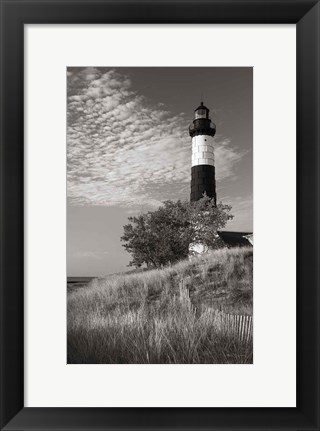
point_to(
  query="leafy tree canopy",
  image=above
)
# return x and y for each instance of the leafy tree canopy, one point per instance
(164, 236)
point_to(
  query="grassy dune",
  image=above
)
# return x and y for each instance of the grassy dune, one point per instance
(163, 316)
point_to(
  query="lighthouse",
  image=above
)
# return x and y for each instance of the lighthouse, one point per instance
(202, 131)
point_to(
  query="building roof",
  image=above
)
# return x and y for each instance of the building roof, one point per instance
(236, 239)
(202, 107)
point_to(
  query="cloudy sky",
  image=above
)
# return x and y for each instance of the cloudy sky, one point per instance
(128, 149)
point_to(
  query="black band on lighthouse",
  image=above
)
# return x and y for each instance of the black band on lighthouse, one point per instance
(203, 181)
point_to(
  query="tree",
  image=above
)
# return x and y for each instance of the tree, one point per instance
(207, 219)
(163, 236)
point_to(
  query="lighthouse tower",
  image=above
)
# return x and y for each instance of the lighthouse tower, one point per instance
(202, 131)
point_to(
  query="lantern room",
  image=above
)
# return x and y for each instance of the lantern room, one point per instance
(201, 112)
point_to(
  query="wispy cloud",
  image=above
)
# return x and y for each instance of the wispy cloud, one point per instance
(125, 150)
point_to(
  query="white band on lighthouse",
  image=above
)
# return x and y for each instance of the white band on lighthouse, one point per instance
(202, 150)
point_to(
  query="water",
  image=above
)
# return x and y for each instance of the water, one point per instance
(77, 282)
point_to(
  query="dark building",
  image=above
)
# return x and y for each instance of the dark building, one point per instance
(236, 239)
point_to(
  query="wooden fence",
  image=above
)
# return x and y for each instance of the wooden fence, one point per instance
(233, 324)
(236, 325)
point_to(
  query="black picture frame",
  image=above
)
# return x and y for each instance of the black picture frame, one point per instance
(14, 14)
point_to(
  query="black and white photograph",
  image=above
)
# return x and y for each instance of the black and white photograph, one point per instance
(159, 215)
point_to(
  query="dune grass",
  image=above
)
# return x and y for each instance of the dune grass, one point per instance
(160, 316)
